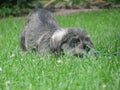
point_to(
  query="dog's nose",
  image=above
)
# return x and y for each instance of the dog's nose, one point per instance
(86, 47)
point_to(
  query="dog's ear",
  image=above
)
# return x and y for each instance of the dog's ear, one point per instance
(56, 40)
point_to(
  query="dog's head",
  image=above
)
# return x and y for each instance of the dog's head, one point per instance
(72, 40)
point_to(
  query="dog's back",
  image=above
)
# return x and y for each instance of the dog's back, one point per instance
(39, 22)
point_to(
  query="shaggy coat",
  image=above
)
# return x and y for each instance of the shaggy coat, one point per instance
(41, 33)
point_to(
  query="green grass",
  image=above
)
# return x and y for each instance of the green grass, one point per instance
(28, 72)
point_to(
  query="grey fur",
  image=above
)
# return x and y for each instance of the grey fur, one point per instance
(41, 33)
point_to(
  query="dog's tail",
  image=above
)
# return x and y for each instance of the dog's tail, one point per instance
(39, 6)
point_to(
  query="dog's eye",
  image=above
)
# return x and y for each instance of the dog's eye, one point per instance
(74, 42)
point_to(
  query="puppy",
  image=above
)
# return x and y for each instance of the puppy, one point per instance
(41, 33)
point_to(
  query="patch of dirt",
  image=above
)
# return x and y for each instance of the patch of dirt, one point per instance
(72, 11)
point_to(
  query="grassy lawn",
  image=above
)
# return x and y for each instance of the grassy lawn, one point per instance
(28, 72)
